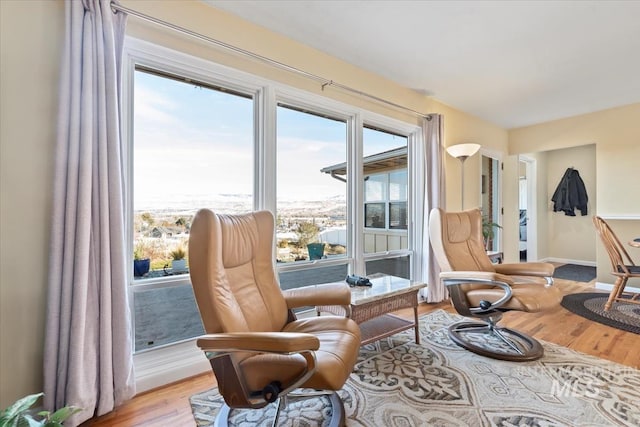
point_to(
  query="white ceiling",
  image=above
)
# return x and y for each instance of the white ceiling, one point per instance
(511, 63)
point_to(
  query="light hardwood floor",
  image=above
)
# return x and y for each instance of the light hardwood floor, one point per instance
(169, 405)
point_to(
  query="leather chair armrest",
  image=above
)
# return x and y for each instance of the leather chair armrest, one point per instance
(536, 269)
(318, 295)
(476, 276)
(272, 342)
(453, 280)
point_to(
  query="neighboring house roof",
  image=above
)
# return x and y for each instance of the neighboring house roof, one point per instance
(391, 159)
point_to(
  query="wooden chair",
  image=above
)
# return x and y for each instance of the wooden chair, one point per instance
(622, 266)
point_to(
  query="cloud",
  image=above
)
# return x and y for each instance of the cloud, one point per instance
(151, 107)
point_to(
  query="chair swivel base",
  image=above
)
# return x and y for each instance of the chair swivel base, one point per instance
(486, 339)
(337, 410)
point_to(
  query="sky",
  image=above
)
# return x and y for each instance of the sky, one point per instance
(195, 143)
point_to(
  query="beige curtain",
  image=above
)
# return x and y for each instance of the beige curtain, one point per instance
(432, 156)
(88, 352)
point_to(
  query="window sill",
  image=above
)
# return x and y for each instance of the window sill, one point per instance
(158, 367)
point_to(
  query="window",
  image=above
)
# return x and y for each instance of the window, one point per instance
(203, 136)
(385, 171)
(385, 198)
(375, 215)
(192, 148)
(385, 190)
(311, 205)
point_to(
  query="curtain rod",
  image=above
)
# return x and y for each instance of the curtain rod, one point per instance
(116, 7)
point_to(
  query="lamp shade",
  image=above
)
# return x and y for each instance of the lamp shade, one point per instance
(462, 151)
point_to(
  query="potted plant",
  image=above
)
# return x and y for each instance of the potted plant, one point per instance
(178, 263)
(307, 236)
(488, 231)
(316, 250)
(141, 263)
(19, 414)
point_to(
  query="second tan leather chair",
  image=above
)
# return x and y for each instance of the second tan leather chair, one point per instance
(258, 350)
(483, 290)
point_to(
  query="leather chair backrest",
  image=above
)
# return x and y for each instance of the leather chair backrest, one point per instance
(457, 241)
(232, 272)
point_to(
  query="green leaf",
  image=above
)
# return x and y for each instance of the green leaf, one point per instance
(32, 422)
(63, 413)
(17, 415)
(19, 407)
(6, 421)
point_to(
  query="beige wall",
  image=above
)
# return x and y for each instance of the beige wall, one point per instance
(461, 128)
(31, 37)
(571, 238)
(542, 178)
(615, 134)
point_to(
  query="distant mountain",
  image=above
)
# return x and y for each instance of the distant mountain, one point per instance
(185, 204)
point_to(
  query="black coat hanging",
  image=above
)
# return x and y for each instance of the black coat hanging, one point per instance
(570, 194)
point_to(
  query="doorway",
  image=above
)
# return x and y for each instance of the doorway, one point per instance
(490, 204)
(527, 243)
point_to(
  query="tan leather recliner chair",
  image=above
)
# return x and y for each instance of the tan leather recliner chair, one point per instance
(484, 290)
(258, 350)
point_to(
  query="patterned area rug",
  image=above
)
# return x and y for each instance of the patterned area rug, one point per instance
(624, 316)
(399, 383)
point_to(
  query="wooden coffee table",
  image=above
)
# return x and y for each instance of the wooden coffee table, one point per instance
(370, 307)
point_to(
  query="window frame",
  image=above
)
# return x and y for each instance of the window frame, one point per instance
(139, 53)
(289, 97)
(415, 215)
(267, 94)
(386, 201)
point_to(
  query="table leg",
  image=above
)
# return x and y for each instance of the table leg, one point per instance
(416, 326)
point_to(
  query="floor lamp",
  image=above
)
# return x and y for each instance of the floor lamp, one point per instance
(462, 152)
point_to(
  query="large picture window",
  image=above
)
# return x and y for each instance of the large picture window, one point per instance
(192, 149)
(233, 144)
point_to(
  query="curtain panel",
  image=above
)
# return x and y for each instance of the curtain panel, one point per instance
(88, 359)
(434, 197)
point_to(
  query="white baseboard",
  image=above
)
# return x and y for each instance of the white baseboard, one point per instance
(570, 261)
(158, 367)
(609, 286)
